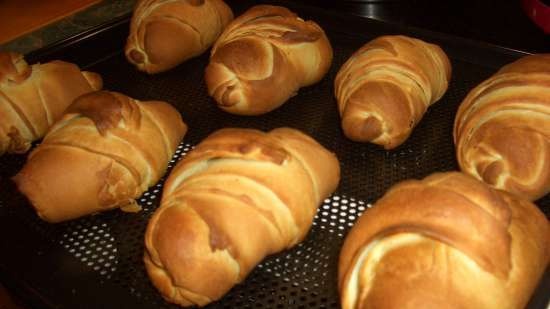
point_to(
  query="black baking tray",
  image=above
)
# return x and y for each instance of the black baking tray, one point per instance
(96, 261)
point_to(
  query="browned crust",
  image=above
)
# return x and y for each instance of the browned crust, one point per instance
(105, 152)
(464, 222)
(263, 58)
(385, 87)
(256, 194)
(163, 34)
(33, 97)
(501, 129)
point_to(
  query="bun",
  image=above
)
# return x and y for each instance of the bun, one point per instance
(104, 153)
(165, 33)
(447, 241)
(263, 57)
(239, 196)
(502, 129)
(384, 88)
(33, 97)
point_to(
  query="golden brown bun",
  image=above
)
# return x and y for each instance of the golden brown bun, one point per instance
(165, 33)
(263, 57)
(105, 152)
(385, 87)
(447, 241)
(239, 196)
(502, 128)
(33, 97)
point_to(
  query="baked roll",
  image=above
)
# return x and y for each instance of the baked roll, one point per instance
(33, 97)
(447, 241)
(239, 196)
(165, 33)
(502, 128)
(104, 153)
(263, 57)
(386, 86)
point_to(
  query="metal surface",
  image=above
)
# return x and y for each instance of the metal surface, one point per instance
(96, 262)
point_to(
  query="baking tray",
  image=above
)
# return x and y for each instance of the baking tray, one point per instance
(96, 261)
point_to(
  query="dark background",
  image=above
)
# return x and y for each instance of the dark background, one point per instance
(500, 22)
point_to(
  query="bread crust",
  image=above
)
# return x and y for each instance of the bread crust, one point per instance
(104, 153)
(263, 58)
(239, 196)
(447, 241)
(502, 128)
(166, 33)
(385, 87)
(33, 97)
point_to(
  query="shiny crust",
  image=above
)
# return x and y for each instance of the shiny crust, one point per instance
(502, 128)
(33, 97)
(386, 86)
(165, 33)
(263, 58)
(239, 196)
(105, 152)
(447, 241)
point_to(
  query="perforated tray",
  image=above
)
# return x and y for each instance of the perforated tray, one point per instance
(96, 262)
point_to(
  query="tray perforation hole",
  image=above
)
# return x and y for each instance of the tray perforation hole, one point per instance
(339, 213)
(91, 242)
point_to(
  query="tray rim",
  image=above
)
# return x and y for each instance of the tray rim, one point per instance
(448, 39)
